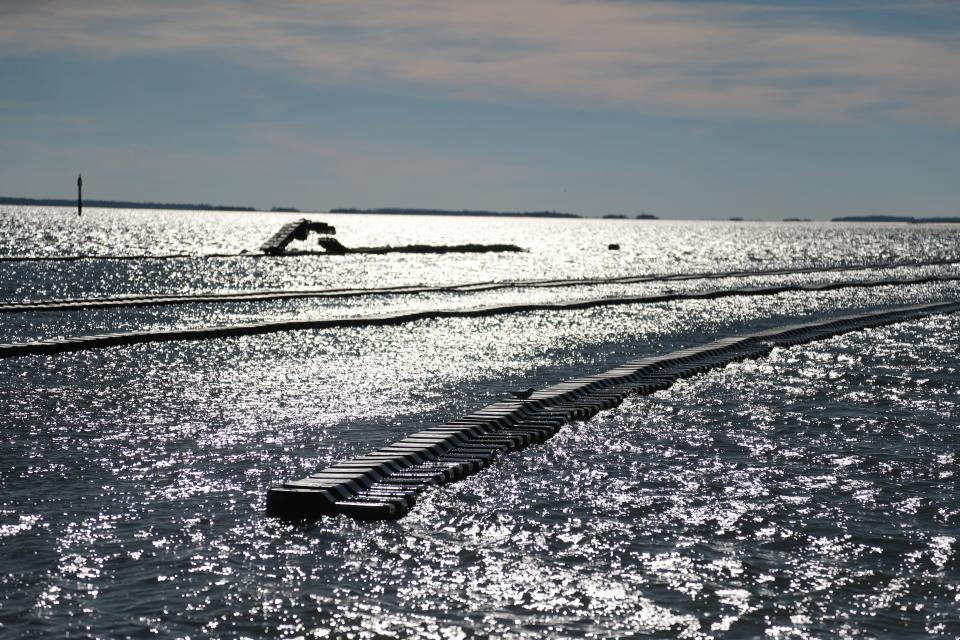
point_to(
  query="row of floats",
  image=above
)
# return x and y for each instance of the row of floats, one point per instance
(383, 484)
(149, 300)
(126, 338)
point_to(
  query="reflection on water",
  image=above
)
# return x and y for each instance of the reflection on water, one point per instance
(555, 249)
(808, 494)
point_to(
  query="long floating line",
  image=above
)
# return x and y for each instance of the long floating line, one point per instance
(100, 341)
(383, 484)
(147, 256)
(78, 304)
(341, 250)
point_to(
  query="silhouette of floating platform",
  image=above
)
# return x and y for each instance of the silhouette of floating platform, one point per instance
(299, 230)
(100, 341)
(296, 230)
(384, 483)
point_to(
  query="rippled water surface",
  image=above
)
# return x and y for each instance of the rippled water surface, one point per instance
(809, 494)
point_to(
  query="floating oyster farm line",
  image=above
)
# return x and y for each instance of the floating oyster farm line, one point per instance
(384, 483)
(147, 300)
(105, 340)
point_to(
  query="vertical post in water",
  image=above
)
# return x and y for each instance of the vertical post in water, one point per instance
(79, 194)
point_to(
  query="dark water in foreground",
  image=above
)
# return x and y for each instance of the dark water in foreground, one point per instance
(809, 494)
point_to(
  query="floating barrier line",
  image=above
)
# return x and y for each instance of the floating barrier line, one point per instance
(154, 256)
(384, 484)
(101, 341)
(78, 304)
(333, 249)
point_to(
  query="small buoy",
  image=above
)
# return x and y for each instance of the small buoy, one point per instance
(613, 247)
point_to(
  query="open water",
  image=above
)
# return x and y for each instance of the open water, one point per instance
(810, 494)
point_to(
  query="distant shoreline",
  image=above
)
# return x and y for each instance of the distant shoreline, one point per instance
(907, 219)
(179, 206)
(123, 204)
(126, 204)
(399, 211)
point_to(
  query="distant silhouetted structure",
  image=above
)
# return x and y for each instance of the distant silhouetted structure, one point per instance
(79, 194)
(296, 230)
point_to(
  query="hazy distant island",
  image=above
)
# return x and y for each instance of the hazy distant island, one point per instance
(462, 212)
(482, 212)
(118, 204)
(909, 219)
(412, 211)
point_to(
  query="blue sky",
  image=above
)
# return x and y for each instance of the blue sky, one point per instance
(683, 109)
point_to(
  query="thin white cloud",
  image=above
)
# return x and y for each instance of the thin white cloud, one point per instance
(706, 59)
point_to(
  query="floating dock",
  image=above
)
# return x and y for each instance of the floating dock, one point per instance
(296, 230)
(384, 483)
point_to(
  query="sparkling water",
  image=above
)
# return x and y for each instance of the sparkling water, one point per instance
(812, 493)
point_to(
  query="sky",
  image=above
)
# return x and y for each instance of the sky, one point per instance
(683, 109)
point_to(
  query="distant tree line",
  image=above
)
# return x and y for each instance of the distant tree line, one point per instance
(910, 219)
(480, 212)
(461, 212)
(118, 204)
